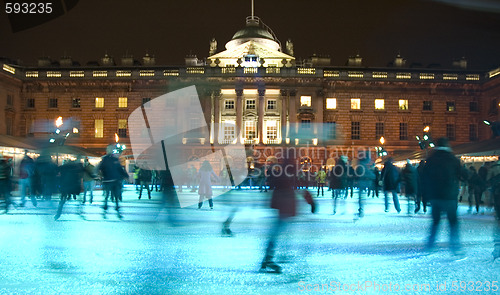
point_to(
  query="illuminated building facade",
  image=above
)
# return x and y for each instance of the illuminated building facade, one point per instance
(256, 92)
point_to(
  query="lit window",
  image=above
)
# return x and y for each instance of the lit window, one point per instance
(229, 104)
(331, 103)
(122, 102)
(32, 74)
(450, 106)
(379, 104)
(306, 71)
(403, 104)
(472, 77)
(123, 73)
(171, 73)
(271, 129)
(271, 104)
(122, 128)
(99, 128)
(403, 75)
(99, 73)
(305, 101)
(9, 69)
(146, 73)
(99, 102)
(355, 103)
(229, 130)
(53, 74)
(250, 104)
(426, 76)
(77, 74)
(250, 130)
(379, 74)
(328, 73)
(355, 74)
(450, 77)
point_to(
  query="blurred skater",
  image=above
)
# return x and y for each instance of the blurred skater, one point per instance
(283, 199)
(112, 175)
(205, 187)
(442, 173)
(71, 174)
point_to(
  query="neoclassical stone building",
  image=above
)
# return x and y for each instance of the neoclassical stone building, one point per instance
(257, 93)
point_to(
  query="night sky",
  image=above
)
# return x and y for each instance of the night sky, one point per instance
(424, 32)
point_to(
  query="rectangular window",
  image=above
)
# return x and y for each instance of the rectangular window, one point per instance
(10, 100)
(52, 102)
(427, 106)
(99, 128)
(250, 104)
(330, 130)
(30, 103)
(473, 132)
(450, 106)
(75, 103)
(229, 104)
(450, 131)
(331, 103)
(271, 130)
(122, 128)
(9, 122)
(250, 130)
(403, 104)
(403, 131)
(122, 102)
(271, 104)
(379, 130)
(473, 106)
(99, 102)
(305, 124)
(355, 130)
(229, 130)
(355, 103)
(305, 101)
(379, 104)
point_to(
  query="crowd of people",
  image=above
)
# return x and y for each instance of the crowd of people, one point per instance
(440, 181)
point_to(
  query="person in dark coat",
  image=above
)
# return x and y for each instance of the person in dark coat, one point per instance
(71, 175)
(442, 174)
(391, 179)
(476, 188)
(26, 172)
(5, 182)
(365, 178)
(338, 181)
(47, 169)
(145, 181)
(410, 180)
(494, 184)
(283, 199)
(420, 189)
(113, 174)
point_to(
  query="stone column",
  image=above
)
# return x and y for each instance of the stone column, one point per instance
(216, 97)
(260, 113)
(239, 112)
(284, 113)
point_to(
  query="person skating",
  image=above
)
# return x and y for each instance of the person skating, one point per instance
(89, 177)
(321, 181)
(391, 179)
(283, 199)
(442, 174)
(5, 182)
(113, 174)
(420, 189)
(410, 180)
(338, 181)
(71, 174)
(205, 187)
